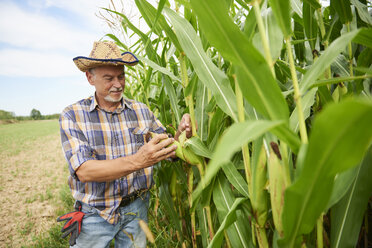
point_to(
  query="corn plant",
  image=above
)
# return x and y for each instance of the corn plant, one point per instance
(279, 94)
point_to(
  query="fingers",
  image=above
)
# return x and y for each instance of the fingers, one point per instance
(160, 147)
(158, 138)
(185, 125)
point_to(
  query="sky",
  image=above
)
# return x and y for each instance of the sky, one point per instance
(38, 40)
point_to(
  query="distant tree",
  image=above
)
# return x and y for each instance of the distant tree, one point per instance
(5, 115)
(35, 114)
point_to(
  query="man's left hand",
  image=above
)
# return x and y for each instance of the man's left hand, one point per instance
(185, 125)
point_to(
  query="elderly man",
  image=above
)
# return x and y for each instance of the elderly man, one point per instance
(110, 164)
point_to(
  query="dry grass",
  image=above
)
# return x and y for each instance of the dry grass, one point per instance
(33, 170)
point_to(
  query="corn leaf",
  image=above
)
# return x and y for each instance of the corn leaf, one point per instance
(334, 146)
(227, 221)
(232, 140)
(347, 214)
(314, 3)
(307, 102)
(338, 80)
(296, 6)
(224, 200)
(200, 112)
(343, 9)
(250, 25)
(310, 24)
(342, 183)
(236, 179)
(364, 37)
(256, 80)
(207, 72)
(166, 199)
(198, 147)
(282, 12)
(159, 68)
(150, 52)
(362, 11)
(169, 89)
(325, 60)
(155, 19)
(274, 35)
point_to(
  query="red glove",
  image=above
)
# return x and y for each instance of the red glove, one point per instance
(73, 224)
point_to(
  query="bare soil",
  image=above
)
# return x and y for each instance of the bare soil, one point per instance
(30, 183)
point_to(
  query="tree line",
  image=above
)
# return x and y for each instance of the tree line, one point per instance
(34, 115)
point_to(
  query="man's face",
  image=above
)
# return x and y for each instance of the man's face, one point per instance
(109, 82)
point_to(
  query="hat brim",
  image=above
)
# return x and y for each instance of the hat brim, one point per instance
(86, 63)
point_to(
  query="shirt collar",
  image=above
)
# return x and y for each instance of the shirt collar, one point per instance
(123, 103)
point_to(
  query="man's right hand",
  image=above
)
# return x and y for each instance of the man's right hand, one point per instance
(155, 150)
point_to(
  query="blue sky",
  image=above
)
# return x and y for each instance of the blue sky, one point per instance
(38, 39)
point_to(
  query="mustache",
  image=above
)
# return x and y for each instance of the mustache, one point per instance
(114, 89)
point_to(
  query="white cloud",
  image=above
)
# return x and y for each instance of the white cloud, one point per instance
(32, 31)
(39, 45)
(36, 64)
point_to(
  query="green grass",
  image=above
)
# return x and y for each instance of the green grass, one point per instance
(15, 137)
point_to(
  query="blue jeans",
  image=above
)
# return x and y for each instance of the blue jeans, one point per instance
(97, 232)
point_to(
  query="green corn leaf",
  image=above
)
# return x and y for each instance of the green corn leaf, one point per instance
(339, 80)
(232, 140)
(364, 61)
(116, 39)
(150, 52)
(255, 78)
(288, 136)
(307, 102)
(299, 48)
(167, 201)
(334, 146)
(250, 25)
(207, 72)
(224, 199)
(282, 12)
(159, 68)
(297, 7)
(274, 35)
(325, 60)
(347, 214)
(143, 7)
(362, 11)
(343, 9)
(236, 179)
(227, 221)
(364, 37)
(203, 225)
(201, 114)
(198, 147)
(169, 89)
(341, 185)
(314, 3)
(153, 16)
(159, 10)
(310, 24)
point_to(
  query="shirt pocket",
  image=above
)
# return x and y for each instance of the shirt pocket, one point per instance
(139, 136)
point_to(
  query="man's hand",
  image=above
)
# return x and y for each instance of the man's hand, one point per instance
(185, 125)
(155, 150)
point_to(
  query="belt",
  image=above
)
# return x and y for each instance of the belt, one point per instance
(131, 197)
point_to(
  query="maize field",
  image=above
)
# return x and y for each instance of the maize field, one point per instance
(279, 94)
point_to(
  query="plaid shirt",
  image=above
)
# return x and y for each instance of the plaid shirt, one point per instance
(89, 132)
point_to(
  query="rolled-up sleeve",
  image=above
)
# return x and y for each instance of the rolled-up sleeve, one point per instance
(74, 143)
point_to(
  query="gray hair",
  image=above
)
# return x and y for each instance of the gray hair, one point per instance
(93, 72)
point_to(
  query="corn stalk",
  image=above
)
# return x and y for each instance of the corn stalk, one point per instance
(219, 204)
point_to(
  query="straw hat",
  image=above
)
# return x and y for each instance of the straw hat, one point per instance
(105, 53)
